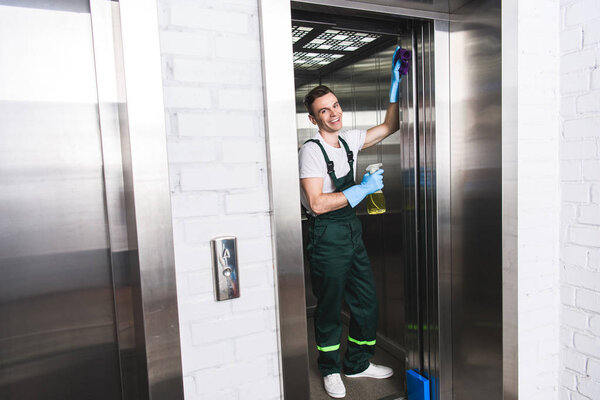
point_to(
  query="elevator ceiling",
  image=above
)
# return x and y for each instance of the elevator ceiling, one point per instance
(324, 43)
(315, 47)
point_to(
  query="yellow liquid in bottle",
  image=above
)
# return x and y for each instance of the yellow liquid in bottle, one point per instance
(376, 203)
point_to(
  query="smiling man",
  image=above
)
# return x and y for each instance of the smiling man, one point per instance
(339, 266)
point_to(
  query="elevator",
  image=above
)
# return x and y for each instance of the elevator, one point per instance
(437, 253)
(84, 312)
(358, 71)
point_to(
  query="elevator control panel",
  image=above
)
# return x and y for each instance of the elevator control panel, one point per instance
(225, 265)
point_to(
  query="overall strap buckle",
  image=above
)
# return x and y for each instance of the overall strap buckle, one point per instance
(350, 157)
(349, 152)
(329, 167)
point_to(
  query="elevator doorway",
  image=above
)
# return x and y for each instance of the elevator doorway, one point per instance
(351, 53)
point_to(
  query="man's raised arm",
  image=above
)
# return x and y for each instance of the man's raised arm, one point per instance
(391, 124)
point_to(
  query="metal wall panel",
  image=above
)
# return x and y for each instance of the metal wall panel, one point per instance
(510, 295)
(148, 202)
(476, 168)
(57, 335)
(443, 184)
(278, 81)
(428, 9)
(87, 295)
(420, 236)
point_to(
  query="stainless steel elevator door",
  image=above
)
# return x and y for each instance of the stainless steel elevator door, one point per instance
(57, 329)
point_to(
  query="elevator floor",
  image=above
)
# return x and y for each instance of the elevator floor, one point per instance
(359, 388)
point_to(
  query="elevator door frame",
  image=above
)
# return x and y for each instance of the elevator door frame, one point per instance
(280, 112)
(136, 98)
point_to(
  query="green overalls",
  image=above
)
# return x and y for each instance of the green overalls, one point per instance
(340, 271)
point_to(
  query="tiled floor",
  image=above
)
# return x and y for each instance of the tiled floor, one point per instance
(359, 388)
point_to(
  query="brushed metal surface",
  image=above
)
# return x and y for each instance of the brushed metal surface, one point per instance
(148, 203)
(425, 5)
(409, 201)
(444, 238)
(278, 89)
(510, 340)
(445, 6)
(420, 239)
(57, 335)
(427, 216)
(124, 268)
(428, 9)
(225, 267)
(476, 201)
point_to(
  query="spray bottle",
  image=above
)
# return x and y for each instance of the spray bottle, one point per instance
(375, 201)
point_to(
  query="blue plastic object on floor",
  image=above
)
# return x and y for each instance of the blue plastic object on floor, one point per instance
(417, 386)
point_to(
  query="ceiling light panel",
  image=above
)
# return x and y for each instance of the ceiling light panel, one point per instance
(338, 40)
(298, 32)
(313, 61)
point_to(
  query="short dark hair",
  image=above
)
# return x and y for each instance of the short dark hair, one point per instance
(314, 94)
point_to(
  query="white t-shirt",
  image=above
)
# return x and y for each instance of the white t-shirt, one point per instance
(312, 163)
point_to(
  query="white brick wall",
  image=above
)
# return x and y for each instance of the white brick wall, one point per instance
(214, 109)
(538, 207)
(580, 217)
(213, 100)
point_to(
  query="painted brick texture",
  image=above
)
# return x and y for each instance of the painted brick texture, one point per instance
(217, 160)
(538, 199)
(213, 100)
(580, 203)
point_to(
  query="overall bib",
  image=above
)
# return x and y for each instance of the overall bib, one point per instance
(340, 271)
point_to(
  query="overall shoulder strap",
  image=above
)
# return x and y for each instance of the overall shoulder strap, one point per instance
(349, 153)
(329, 163)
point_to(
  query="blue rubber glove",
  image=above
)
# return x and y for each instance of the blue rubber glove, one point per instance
(396, 77)
(370, 184)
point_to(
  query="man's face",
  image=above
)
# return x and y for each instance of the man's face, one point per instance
(327, 113)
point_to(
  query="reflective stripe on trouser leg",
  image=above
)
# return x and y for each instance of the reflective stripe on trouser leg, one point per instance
(327, 349)
(361, 298)
(362, 342)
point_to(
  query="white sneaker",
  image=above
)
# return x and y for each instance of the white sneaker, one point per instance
(374, 371)
(334, 386)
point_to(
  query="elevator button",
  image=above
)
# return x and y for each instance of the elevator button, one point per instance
(225, 265)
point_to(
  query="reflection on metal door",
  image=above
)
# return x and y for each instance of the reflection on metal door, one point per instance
(57, 335)
(419, 205)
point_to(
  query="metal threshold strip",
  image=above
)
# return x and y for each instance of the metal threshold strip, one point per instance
(394, 397)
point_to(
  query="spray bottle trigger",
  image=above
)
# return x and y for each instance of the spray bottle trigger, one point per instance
(373, 167)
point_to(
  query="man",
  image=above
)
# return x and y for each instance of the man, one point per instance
(339, 265)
